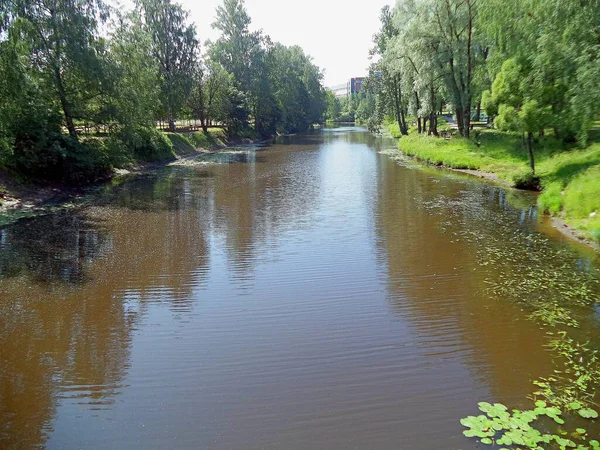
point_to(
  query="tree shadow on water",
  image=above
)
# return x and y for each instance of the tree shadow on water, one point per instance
(55, 247)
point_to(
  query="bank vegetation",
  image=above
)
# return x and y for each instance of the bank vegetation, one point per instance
(86, 88)
(515, 84)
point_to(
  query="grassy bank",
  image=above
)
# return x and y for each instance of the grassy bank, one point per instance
(32, 181)
(186, 143)
(569, 177)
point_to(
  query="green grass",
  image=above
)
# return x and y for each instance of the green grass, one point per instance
(186, 143)
(569, 177)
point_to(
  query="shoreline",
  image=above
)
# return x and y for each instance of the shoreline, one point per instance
(29, 197)
(557, 223)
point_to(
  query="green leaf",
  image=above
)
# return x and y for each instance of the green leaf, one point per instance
(588, 413)
(487, 441)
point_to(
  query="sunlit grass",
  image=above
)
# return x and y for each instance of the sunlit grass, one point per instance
(570, 178)
(185, 143)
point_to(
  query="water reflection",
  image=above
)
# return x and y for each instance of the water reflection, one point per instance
(53, 247)
(69, 343)
(434, 274)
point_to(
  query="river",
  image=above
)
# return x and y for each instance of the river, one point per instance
(313, 293)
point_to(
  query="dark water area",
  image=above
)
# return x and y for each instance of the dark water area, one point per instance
(314, 293)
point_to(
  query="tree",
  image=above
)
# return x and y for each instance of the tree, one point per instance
(334, 107)
(208, 96)
(236, 46)
(558, 49)
(513, 95)
(389, 94)
(296, 83)
(136, 94)
(65, 48)
(174, 47)
(454, 51)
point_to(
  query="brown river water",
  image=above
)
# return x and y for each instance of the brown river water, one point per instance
(311, 294)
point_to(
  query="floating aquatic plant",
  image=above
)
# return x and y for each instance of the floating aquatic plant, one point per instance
(522, 429)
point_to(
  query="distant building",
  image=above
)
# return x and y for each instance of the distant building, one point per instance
(341, 90)
(354, 86)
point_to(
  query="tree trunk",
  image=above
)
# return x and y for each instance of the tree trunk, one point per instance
(64, 103)
(404, 125)
(400, 117)
(424, 124)
(419, 128)
(460, 121)
(467, 88)
(433, 124)
(530, 149)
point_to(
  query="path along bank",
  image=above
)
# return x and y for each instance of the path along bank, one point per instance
(569, 178)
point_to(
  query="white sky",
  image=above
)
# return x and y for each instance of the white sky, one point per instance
(336, 33)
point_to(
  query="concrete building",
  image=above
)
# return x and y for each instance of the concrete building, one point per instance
(354, 86)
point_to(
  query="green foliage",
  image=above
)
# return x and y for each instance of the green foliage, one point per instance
(300, 99)
(137, 99)
(570, 390)
(186, 143)
(334, 107)
(551, 199)
(574, 386)
(66, 69)
(173, 46)
(570, 188)
(507, 118)
(488, 104)
(144, 144)
(526, 180)
(523, 429)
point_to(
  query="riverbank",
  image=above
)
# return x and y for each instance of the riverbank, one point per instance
(18, 193)
(569, 179)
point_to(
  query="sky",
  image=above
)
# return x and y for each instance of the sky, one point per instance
(336, 33)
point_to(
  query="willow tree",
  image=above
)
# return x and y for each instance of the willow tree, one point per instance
(389, 95)
(415, 53)
(558, 49)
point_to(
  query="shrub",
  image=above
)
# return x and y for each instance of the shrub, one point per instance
(526, 180)
(43, 155)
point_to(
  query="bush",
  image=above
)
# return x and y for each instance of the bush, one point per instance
(43, 156)
(526, 180)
